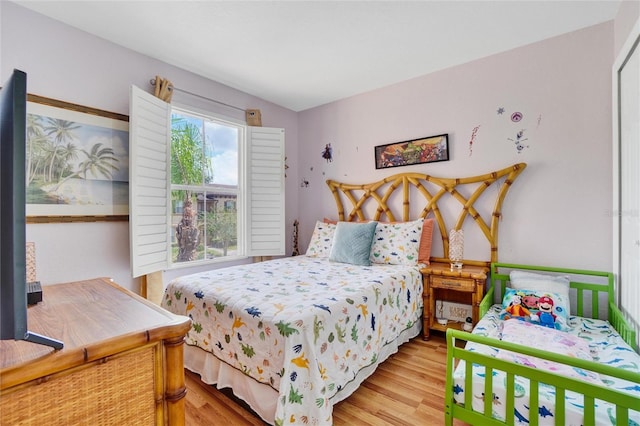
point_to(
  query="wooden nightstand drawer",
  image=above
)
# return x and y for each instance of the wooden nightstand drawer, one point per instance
(458, 284)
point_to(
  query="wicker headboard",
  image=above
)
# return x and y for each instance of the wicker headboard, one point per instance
(403, 188)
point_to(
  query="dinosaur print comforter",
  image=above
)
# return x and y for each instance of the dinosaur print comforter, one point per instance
(601, 340)
(304, 326)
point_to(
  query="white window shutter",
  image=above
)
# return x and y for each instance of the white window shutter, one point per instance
(149, 139)
(265, 192)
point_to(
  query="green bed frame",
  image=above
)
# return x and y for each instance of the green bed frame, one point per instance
(588, 285)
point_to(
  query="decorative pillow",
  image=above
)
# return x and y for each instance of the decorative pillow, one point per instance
(531, 335)
(352, 243)
(321, 240)
(546, 309)
(424, 252)
(397, 243)
(540, 282)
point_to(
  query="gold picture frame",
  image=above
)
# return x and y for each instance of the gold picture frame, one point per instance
(77, 163)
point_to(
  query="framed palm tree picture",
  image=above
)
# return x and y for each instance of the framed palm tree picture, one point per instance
(77, 162)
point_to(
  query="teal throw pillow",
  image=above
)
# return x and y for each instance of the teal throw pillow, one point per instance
(352, 243)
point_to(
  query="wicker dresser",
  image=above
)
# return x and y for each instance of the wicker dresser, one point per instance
(122, 361)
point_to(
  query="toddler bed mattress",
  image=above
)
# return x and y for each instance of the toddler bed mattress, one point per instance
(589, 339)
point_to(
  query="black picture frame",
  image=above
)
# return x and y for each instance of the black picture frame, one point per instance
(430, 149)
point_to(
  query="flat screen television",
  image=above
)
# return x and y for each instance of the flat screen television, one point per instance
(13, 264)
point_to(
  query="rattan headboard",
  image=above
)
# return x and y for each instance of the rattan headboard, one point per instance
(429, 191)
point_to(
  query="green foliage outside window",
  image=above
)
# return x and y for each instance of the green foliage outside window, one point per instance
(207, 229)
(187, 168)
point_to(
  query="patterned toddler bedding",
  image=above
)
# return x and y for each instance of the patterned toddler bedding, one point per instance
(597, 337)
(304, 326)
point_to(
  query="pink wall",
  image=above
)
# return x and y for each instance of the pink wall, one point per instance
(557, 212)
(70, 65)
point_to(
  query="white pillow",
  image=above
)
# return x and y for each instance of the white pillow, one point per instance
(522, 280)
(397, 243)
(321, 240)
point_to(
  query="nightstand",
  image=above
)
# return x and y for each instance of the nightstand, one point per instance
(464, 285)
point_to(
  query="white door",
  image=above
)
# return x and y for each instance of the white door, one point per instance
(627, 214)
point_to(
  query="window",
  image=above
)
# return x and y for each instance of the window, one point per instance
(201, 188)
(204, 186)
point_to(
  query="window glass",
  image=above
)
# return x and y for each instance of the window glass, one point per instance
(188, 165)
(204, 187)
(222, 153)
(185, 235)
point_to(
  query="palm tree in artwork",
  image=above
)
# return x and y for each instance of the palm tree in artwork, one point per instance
(36, 145)
(61, 131)
(100, 161)
(66, 153)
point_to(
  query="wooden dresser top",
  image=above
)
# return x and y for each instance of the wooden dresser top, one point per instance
(94, 318)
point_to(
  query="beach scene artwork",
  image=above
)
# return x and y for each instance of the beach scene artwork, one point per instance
(77, 164)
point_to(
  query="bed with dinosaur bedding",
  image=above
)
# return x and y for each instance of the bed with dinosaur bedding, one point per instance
(294, 336)
(555, 351)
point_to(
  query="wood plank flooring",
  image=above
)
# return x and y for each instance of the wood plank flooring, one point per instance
(407, 389)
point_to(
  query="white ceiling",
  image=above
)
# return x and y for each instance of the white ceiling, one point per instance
(301, 54)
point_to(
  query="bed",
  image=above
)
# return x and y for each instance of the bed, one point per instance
(294, 336)
(303, 321)
(585, 371)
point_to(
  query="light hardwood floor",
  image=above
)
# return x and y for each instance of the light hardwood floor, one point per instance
(407, 389)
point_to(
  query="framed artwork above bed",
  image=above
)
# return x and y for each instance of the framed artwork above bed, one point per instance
(415, 151)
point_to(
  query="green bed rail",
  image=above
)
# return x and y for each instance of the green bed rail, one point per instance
(587, 287)
(592, 392)
(621, 325)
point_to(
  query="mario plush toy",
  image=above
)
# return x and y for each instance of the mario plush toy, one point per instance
(545, 312)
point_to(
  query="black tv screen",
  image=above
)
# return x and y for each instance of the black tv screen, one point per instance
(13, 274)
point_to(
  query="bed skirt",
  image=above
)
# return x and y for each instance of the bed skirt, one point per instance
(263, 398)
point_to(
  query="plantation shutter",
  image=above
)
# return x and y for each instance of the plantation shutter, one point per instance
(149, 186)
(149, 139)
(265, 192)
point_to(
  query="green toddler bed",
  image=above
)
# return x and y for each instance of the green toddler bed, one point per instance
(583, 371)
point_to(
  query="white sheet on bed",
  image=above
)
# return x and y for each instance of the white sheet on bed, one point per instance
(304, 326)
(606, 346)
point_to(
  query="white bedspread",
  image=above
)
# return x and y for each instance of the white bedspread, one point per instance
(302, 325)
